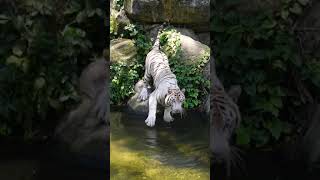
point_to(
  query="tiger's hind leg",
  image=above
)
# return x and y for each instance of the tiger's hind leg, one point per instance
(144, 94)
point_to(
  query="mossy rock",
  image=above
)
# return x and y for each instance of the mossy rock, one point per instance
(122, 50)
(188, 12)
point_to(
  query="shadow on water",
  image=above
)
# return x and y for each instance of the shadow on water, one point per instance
(270, 164)
(39, 161)
(178, 150)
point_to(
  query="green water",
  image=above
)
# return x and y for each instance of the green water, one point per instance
(166, 151)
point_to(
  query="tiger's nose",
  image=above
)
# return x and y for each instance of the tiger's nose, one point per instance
(175, 114)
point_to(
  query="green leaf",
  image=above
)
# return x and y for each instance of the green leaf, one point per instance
(243, 137)
(54, 103)
(39, 83)
(64, 98)
(14, 60)
(81, 16)
(285, 14)
(16, 50)
(303, 2)
(275, 128)
(4, 19)
(296, 9)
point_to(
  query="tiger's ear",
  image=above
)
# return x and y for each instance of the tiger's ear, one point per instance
(169, 91)
(183, 90)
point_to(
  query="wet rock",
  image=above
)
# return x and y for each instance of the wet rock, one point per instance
(187, 12)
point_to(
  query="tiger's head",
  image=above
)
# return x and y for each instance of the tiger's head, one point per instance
(175, 99)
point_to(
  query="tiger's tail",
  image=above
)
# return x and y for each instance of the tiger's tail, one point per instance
(156, 44)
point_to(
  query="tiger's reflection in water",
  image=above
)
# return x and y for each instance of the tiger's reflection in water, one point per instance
(225, 118)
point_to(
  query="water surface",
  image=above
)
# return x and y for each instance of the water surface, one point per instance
(167, 151)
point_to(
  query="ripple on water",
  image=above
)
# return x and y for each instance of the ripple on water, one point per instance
(178, 151)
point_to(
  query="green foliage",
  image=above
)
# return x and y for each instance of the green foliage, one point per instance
(123, 79)
(125, 76)
(260, 53)
(118, 4)
(113, 25)
(45, 45)
(190, 76)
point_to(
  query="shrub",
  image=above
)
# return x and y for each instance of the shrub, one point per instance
(44, 47)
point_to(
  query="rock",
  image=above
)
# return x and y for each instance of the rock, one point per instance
(119, 21)
(152, 31)
(188, 32)
(138, 107)
(192, 50)
(122, 19)
(122, 50)
(186, 12)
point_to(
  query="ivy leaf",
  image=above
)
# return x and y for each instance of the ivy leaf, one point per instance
(285, 14)
(303, 2)
(16, 50)
(243, 137)
(296, 9)
(4, 19)
(275, 128)
(54, 103)
(81, 16)
(39, 83)
(269, 24)
(14, 60)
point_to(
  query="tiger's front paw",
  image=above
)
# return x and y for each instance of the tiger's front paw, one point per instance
(143, 94)
(150, 121)
(167, 117)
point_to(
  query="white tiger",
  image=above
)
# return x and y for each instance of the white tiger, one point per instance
(167, 92)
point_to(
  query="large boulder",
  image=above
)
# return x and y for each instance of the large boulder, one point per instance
(192, 50)
(152, 31)
(122, 50)
(186, 12)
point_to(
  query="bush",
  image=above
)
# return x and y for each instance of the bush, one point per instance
(45, 45)
(124, 76)
(189, 76)
(260, 53)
